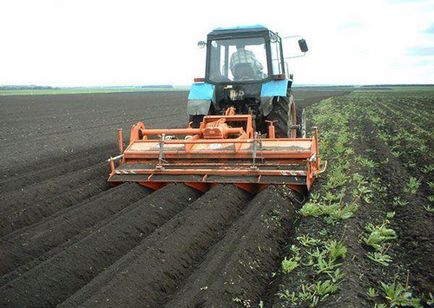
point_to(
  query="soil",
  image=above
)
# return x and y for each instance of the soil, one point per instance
(157, 265)
(413, 250)
(52, 281)
(18, 249)
(30, 204)
(237, 269)
(413, 224)
(67, 237)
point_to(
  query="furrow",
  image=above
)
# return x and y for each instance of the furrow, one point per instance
(155, 268)
(22, 247)
(238, 268)
(57, 278)
(35, 203)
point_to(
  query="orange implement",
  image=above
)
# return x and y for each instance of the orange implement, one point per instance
(224, 149)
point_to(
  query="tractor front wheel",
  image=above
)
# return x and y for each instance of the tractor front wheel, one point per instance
(285, 115)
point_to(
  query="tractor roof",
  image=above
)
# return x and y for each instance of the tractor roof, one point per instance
(239, 30)
(251, 27)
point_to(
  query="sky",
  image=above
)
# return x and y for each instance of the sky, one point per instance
(131, 42)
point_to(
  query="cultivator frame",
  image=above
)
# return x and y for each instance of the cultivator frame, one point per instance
(224, 149)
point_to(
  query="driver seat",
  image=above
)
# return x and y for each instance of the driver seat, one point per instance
(244, 71)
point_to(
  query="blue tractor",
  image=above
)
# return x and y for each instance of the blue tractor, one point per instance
(246, 70)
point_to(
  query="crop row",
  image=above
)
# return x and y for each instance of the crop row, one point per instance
(356, 224)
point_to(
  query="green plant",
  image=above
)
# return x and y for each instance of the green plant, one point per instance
(317, 253)
(311, 209)
(380, 257)
(422, 148)
(243, 302)
(336, 178)
(429, 208)
(412, 186)
(286, 296)
(295, 250)
(397, 201)
(372, 292)
(397, 154)
(288, 265)
(313, 293)
(337, 275)
(365, 193)
(331, 198)
(332, 212)
(305, 295)
(365, 163)
(390, 215)
(336, 250)
(410, 164)
(430, 301)
(339, 212)
(399, 295)
(314, 197)
(378, 235)
(325, 265)
(323, 288)
(359, 179)
(307, 241)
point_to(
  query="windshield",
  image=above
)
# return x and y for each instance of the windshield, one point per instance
(241, 59)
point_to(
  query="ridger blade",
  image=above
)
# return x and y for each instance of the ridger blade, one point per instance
(217, 153)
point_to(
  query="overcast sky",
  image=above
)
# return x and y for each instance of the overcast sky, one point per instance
(85, 42)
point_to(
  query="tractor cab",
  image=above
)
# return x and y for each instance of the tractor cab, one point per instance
(243, 55)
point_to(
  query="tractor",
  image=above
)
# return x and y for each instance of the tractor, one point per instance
(246, 69)
(242, 127)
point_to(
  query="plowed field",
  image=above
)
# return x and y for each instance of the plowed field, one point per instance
(67, 238)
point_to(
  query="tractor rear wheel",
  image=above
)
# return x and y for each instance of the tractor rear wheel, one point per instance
(285, 115)
(195, 120)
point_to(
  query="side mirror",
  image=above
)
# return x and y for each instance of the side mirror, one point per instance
(303, 45)
(201, 44)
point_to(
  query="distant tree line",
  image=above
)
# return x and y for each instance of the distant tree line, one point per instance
(396, 85)
(27, 87)
(164, 86)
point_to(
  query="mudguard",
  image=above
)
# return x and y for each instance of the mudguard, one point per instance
(199, 98)
(269, 90)
(198, 107)
(274, 88)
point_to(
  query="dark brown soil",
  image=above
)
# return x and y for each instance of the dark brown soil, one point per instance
(413, 224)
(65, 233)
(30, 243)
(54, 280)
(31, 204)
(46, 170)
(237, 269)
(153, 270)
(47, 128)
